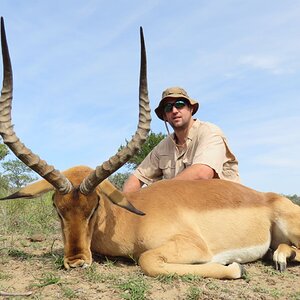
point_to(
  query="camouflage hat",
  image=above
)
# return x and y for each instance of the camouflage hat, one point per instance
(174, 92)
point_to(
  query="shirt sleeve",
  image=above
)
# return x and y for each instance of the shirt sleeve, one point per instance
(148, 171)
(212, 151)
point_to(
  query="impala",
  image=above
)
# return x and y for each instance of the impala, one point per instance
(205, 227)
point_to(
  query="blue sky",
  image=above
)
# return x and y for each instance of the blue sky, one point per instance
(76, 68)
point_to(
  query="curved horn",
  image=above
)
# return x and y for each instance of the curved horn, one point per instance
(119, 159)
(53, 176)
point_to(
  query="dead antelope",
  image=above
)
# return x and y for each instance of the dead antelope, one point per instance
(205, 228)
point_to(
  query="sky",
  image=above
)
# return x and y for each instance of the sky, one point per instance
(76, 72)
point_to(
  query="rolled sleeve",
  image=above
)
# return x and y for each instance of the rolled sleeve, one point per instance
(212, 154)
(148, 171)
(211, 149)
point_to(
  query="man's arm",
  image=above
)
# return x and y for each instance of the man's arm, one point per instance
(195, 172)
(132, 184)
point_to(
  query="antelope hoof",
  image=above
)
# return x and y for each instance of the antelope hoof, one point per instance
(280, 266)
(243, 271)
(76, 264)
(279, 259)
(238, 271)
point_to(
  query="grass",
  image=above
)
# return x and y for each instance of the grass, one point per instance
(46, 279)
(275, 293)
(5, 276)
(133, 288)
(68, 293)
(167, 279)
(213, 285)
(28, 216)
(194, 293)
(295, 296)
(191, 278)
(92, 275)
(109, 263)
(19, 254)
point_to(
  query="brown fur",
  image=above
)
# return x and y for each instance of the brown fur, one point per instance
(201, 227)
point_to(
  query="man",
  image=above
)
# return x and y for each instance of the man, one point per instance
(196, 149)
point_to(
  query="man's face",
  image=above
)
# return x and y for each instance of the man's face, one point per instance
(177, 112)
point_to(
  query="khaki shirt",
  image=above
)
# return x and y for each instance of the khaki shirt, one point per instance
(206, 144)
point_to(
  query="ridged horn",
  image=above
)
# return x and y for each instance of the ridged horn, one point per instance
(48, 172)
(118, 160)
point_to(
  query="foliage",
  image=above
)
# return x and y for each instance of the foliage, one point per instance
(17, 173)
(152, 140)
(295, 198)
(3, 151)
(194, 293)
(118, 179)
(134, 288)
(4, 184)
(47, 279)
(27, 216)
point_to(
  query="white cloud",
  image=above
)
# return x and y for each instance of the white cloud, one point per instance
(265, 62)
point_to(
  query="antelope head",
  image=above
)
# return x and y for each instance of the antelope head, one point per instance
(77, 191)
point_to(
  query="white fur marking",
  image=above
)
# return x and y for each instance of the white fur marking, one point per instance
(242, 255)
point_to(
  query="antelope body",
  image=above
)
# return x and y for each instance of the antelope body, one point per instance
(205, 227)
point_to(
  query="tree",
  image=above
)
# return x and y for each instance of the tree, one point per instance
(17, 174)
(118, 179)
(295, 198)
(152, 140)
(3, 151)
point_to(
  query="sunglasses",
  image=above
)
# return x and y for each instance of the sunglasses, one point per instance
(178, 104)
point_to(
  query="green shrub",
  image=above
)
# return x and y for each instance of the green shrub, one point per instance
(28, 216)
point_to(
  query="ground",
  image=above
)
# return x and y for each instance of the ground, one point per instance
(34, 264)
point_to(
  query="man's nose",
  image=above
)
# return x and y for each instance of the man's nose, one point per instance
(174, 109)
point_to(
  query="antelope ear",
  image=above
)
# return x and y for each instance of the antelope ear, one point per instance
(31, 191)
(116, 197)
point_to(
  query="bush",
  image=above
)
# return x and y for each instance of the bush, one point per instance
(295, 198)
(118, 179)
(28, 216)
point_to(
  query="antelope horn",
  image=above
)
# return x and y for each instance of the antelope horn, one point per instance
(53, 176)
(119, 159)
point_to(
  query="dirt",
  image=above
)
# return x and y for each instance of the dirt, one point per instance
(33, 264)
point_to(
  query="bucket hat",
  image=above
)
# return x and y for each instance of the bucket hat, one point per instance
(174, 92)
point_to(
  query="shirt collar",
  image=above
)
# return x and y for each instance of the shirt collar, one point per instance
(193, 130)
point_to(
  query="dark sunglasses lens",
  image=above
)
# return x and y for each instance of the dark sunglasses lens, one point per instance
(168, 107)
(178, 104)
